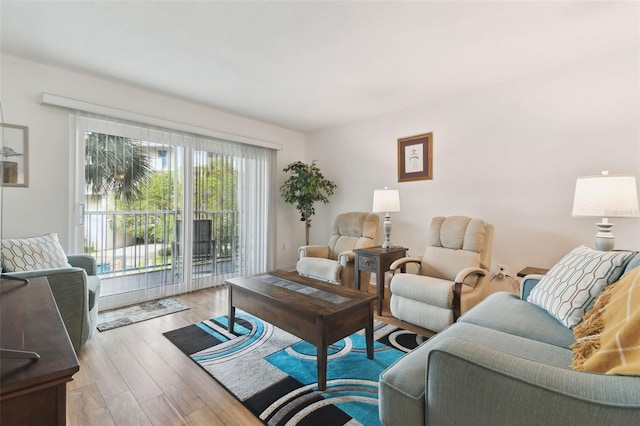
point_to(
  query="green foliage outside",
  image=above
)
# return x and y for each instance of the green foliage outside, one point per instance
(120, 168)
(156, 204)
(115, 165)
(216, 190)
(216, 186)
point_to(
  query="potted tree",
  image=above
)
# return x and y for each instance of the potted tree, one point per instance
(305, 187)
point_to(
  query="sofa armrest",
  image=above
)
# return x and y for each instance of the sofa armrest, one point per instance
(71, 293)
(84, 261)
(502, 389)
(528, 283)
(313, 251)
(66, 271)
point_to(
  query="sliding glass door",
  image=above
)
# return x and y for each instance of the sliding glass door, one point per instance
(130, 196)
(151, 240)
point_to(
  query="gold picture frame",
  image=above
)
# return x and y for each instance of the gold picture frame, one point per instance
(14, 149)
(415, 158)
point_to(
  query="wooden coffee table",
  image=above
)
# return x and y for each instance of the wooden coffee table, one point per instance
(312, 310)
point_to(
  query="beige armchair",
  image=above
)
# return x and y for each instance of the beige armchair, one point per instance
(334, 262)
(452, 277)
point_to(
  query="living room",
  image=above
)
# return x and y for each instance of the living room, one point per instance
(507, 146)
(525, 140)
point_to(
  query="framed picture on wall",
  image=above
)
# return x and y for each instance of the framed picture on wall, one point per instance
(14, 143)
(415, 158)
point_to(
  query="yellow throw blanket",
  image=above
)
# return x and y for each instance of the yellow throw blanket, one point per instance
(608, 340)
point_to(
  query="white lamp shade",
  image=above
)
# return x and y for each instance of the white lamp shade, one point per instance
(606, 196)
(386, 201)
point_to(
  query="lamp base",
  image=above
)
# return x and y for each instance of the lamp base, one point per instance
(604, 239)
(387, 232)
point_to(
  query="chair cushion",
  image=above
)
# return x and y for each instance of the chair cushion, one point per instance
(352, 230)
(458, 232)
(427, 316)
(445, 263)
(455, 243)
(508, 313)
(34, 253)
(569, 289)
(356, 224)
(429, 290)
(341, 243)
(321, 269)
(448, 231)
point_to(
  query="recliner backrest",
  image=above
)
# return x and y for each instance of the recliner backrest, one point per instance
(352, 230)
(454, 243)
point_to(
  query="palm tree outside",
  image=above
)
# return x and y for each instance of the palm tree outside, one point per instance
(115, 165)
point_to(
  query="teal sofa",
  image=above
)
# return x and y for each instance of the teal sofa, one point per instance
(505, 362)
(75, 289)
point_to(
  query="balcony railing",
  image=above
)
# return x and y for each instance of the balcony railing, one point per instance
(130, 242)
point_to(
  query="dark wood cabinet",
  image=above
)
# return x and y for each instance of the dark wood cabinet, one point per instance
(33, 391)
(378, 261)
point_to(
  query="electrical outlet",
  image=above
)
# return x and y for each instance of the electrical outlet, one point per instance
(502, 271)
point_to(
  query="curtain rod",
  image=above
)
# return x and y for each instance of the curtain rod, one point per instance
(64, 102)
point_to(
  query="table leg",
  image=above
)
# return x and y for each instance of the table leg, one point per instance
(368, 331)
(321, 356)
(232, 311)
(380, 289)
(322, 367)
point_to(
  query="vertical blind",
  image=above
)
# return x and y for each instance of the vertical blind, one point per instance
(191, 181)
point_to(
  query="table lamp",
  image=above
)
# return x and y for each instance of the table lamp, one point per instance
(386, 201)
(605, 196)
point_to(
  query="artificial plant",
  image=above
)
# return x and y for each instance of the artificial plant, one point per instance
(305, 187)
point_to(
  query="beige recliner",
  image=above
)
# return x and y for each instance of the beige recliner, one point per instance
(334, 262)
(453, 274)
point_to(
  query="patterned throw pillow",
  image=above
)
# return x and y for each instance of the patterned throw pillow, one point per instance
(569, 289)
(30, 254)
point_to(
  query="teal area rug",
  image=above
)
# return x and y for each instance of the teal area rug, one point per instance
(108, 320)
(274, 374)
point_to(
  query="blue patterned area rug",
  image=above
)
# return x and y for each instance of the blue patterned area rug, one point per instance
(108, 320)
(274, 374)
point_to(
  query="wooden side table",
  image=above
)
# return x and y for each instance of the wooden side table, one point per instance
(377, 260)
(532, 270)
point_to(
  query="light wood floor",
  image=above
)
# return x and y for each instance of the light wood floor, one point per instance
(134, 376)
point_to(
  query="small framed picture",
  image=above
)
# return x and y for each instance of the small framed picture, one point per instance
(415, 158)
(14, 147)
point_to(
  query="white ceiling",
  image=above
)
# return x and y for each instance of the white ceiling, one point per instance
(309, 65)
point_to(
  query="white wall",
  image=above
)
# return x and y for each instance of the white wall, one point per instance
(45, 205)
(509, 153)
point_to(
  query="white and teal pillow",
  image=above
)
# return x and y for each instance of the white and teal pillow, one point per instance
(30, 254)
(570, 288)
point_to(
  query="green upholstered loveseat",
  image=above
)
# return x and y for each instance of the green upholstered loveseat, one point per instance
(75, 289)
(505, 362)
